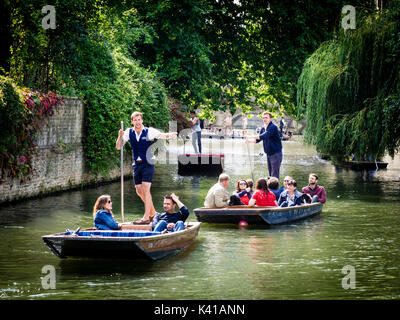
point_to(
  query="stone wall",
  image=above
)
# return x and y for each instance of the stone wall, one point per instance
(59, 163)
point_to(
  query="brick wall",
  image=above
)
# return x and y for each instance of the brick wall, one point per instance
(59, 163)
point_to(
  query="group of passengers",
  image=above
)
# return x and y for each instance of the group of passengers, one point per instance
(267, 192)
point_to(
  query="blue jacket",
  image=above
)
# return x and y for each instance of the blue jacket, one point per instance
(105, 221)
(139, 149)
(277, 192)
(271, 139)
(243, 193)
(182, 215)
(298, 197)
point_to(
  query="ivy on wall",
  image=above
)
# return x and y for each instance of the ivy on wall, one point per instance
(22, 112)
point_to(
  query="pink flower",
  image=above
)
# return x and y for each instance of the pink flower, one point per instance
(22, 159)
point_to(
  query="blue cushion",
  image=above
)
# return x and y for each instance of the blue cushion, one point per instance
(131, 234)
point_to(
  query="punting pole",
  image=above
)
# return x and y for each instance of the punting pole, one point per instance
(122, 173)
(251, 166)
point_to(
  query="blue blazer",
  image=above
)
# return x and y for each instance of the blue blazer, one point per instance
(271, 139)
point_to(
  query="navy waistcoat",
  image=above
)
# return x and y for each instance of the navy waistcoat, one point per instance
(139, 148)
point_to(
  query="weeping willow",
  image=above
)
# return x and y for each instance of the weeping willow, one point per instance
(349, 90)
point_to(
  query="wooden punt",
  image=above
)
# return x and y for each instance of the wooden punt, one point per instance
(365, 165)
(126, 244)
(204, 164)
(257, 215)
(213, 135)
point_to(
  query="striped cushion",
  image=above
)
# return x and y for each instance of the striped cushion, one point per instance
(107, 233)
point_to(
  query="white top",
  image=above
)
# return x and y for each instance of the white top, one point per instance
(151, 135)
(196, 127)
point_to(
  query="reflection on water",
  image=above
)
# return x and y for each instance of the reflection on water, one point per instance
(359, 226)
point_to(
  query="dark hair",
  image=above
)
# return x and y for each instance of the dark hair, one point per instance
(192, 111)
(314, 175)
(292, 182)
(250, 183)
(238, 183)
(273, 183)
(262, 185)
(168, 196)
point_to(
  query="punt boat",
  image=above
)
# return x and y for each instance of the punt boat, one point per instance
(257, 215)
(126, 244)
(365, 165)
(203, 164)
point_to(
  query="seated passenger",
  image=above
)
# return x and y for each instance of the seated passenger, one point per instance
(242, 192)
(262, 197)
(273, 185)
(250, 184)
(315, 192)
(102, 214)
(170, 220)
(285, 181)
(217, 196)
(290, 197)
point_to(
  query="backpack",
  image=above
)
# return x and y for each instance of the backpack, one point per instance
(235, 201)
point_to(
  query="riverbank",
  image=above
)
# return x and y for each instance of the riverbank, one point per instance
(59, 163)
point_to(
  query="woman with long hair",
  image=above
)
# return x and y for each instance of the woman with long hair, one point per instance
(263, 197)
(103, 215)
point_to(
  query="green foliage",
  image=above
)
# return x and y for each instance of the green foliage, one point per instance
(178, 51)
(90, 55)
(13, 115)
(121, 56)
(265, 43)
(349, 90)
(116, 87)
(214, 54)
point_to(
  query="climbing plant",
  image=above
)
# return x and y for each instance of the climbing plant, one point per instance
(22, 113)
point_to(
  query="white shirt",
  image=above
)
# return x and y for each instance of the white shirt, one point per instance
(151, 135)
(196, 127)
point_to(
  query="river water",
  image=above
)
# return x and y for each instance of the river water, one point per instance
(358, 230)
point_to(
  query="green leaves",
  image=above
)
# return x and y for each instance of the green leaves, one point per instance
(90, 54)
(113, 93)
(349, 91)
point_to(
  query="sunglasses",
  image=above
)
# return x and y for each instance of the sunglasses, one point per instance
(109, 201)
(242, 183)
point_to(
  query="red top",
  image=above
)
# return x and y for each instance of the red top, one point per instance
(245, 199)
(263, 199)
